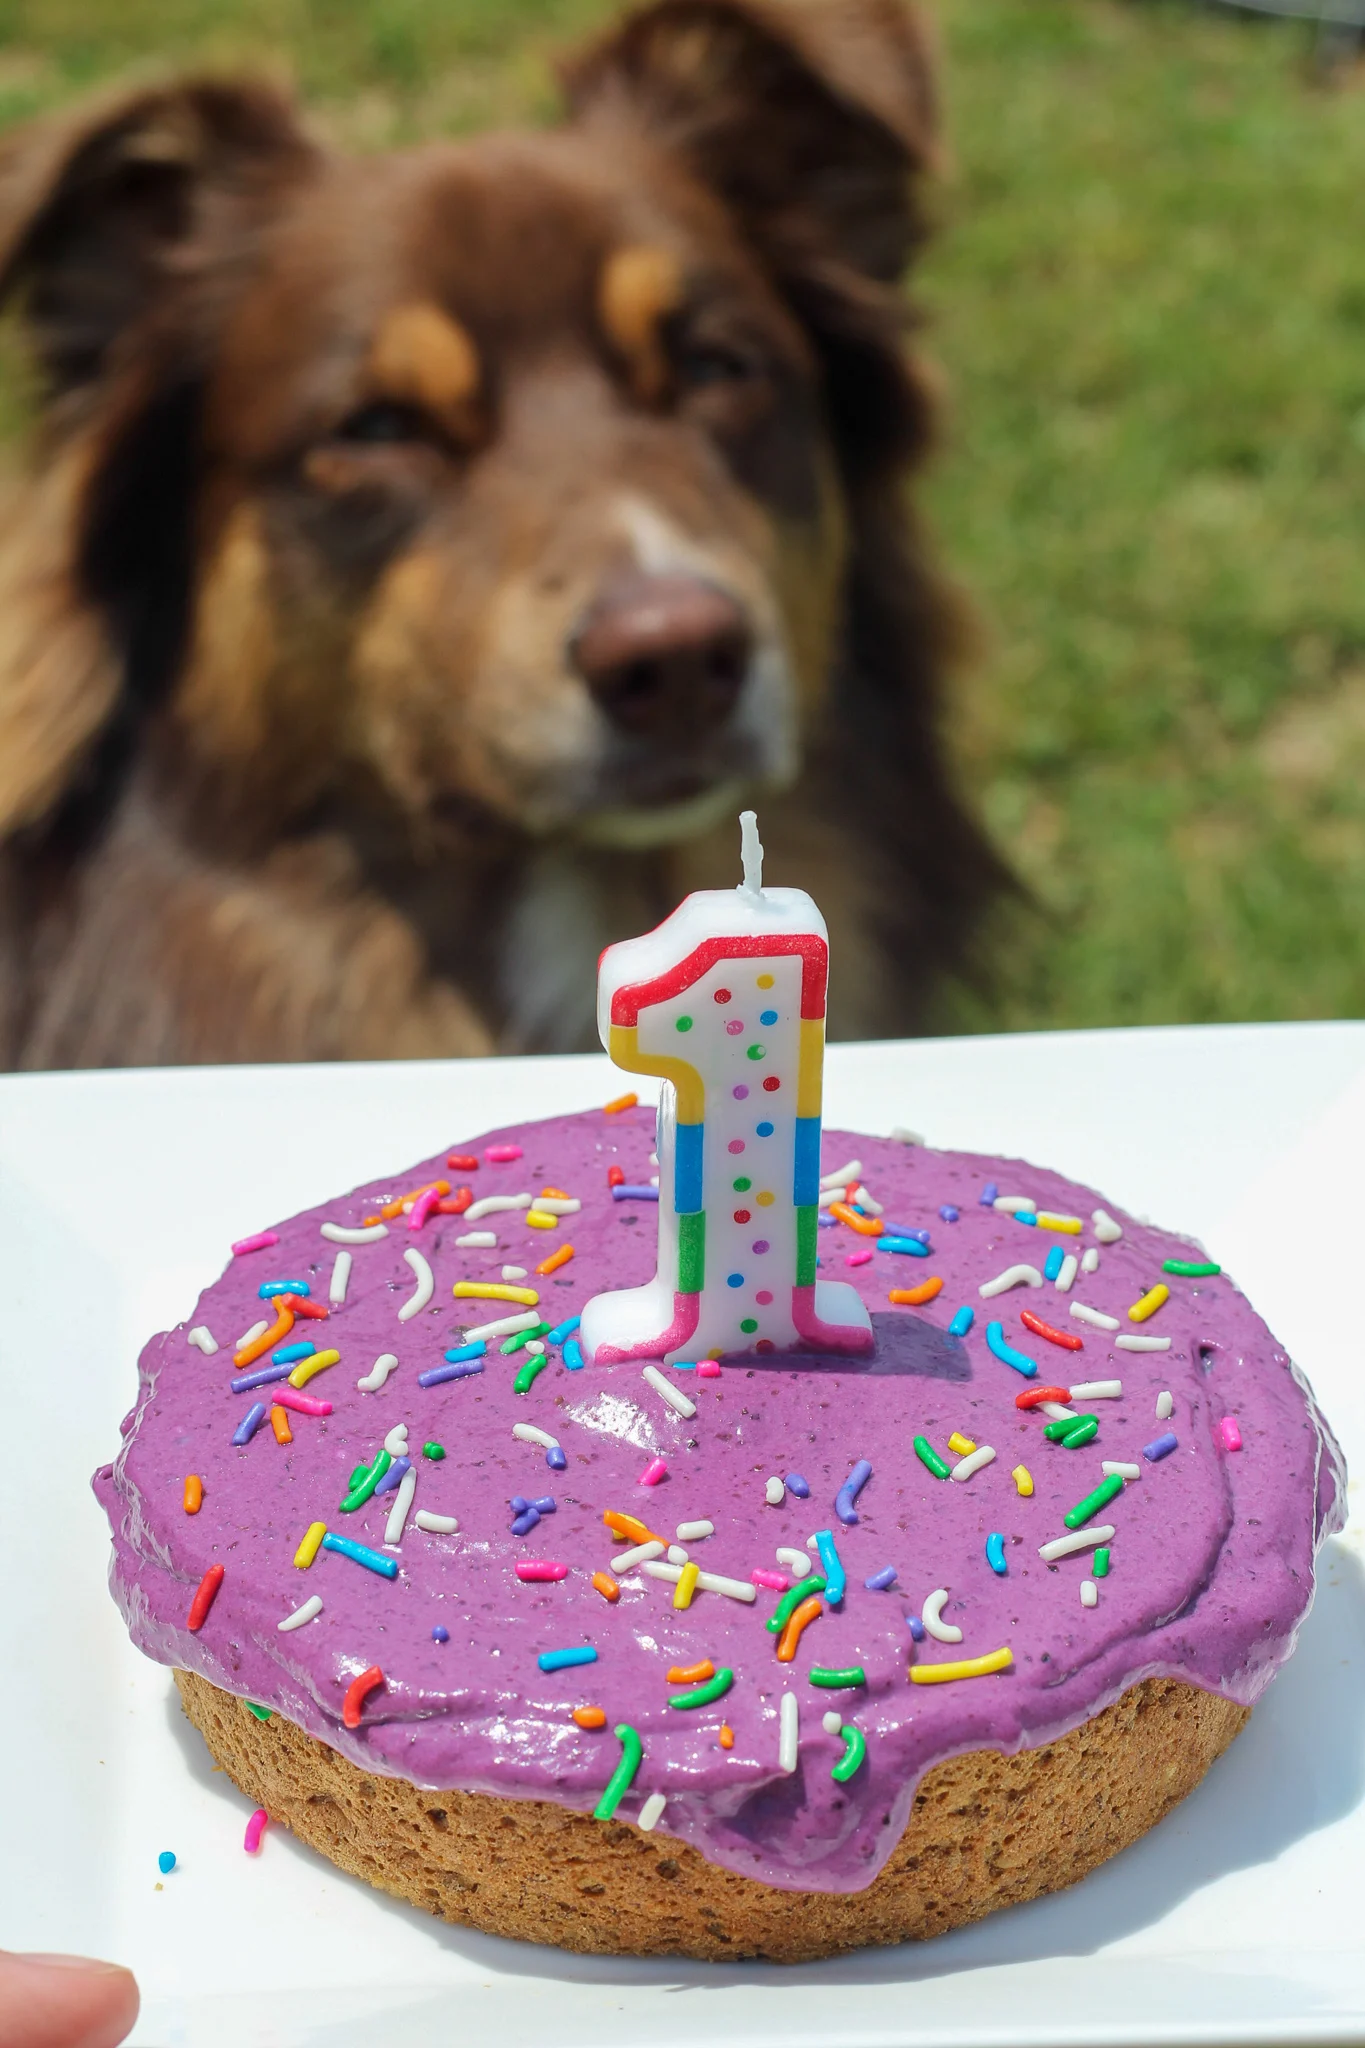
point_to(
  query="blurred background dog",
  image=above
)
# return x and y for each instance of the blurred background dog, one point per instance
(424, 555)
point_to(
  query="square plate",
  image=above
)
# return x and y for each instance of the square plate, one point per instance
(1238, 1919)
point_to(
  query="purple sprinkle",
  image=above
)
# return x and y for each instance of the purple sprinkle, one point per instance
(741, 1093)
(251, 1422)
(524, 1524)
(827, 1222)
(948, 1213)
(988, 1195)
(545, 1505)
(797, 1485)
(518, 1503)
(760, 1244)
(440, 1373)
(394, 1476)
(634, 1194)
(1160, 1447)
(262, 1378)
(439, 1634)
(904, 1230)
(915, 1626)
(556, 1459)
(849, 1491)
(879, 1581)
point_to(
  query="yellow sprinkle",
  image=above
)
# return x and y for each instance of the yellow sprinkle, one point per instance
(1150, 1303)
(308, 1368)
(1023, 1480)
(963, 1445)
(541, 1219)
(1071, 1224)
(618, 1103)
(966, 1667)
(492, 1290)
(686, 1586)
(310, 1546)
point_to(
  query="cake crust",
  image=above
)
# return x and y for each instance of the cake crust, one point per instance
(985, 1831)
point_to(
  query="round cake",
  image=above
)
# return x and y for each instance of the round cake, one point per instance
(779, 1655)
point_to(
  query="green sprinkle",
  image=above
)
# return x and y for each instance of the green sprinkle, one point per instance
(522, 1338)
(621, 1779)
(362, 1488)
(702, 1695)
(749, 1325)
(855, 1749)
(758, 1052)
(525, 1379)
(261, 1713)
(1081, 1433)
(1057, 1432)
(1100, 1563)
(927, 1455)
(1075, 1518)
(1191, 1269)
(684, 1024)
(742, 1185)
(357, 1475)
(852, 1674)
(436, 1451)
(794, 1595)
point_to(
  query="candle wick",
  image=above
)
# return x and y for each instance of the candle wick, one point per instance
(751, 853)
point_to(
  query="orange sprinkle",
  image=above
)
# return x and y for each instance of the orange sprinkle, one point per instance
(557, 1258)
(692, 1674)
(915, 1297)
(727, 1735)
(555, 1195)
(279, 1329)
(279, 1422)
(626, 1525)
(619, 1102)
(194, 1494)
(606, 1585)
(395, 1207)
(800, 1618)
(866, 1226)
(590, 1717)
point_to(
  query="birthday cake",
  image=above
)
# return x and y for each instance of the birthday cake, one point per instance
(903, 1537)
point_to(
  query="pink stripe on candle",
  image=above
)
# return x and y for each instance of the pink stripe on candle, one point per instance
(686, 1308)
(828, 1336)
(259, 1243)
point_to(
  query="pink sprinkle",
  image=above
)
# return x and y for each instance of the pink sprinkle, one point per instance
(541, 1568)
(708, 1369)
(778, 1581)
(498, 1155)
(255, 1828)
(654, 1471)
(422, 1208)
(857, 1258)
(1232, 1435)
(302, 1404)
(259, 1243)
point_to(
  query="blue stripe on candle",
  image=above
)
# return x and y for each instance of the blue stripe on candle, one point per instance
(806, 1176)
(687, 1168)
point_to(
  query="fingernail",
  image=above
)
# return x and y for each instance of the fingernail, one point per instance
(51, 1962)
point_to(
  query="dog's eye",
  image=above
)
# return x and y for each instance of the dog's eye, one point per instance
(383, 421)
(701, 364)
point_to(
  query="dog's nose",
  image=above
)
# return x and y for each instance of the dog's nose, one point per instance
(663, 654)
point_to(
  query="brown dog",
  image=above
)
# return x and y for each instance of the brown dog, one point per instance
(425, 555)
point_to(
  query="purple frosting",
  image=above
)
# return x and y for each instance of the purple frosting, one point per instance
(1211, 1564)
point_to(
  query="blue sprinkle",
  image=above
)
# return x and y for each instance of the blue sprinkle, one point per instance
(1160, 1447)
(165, 1862)
(1026, 1216)
(518, 1503)
(1052, 1265)
(797, 1485)
(995, 1337)
(263, 1378)
(879, 1581)
(556, 1459)
(255, 1416)
(630, 1194)
(767, 1016)
(684, 1365)
(764, 1130)
(561, 1660)
(995, 1553)
(440, 1634)
(849, 1491)
(572, 1355)
(911, 1245)
(524, 1524)
(462, 1351)
(987, 1197)
(915, 1626)
(948, 1213)
(360, 1553)
(545, 1505)
(563, 1330)
(963, 1320)
(832, 1565)
(734, 1279)
(269, 1287)
(289, 1354)
(439, 1374)
(394, 1476)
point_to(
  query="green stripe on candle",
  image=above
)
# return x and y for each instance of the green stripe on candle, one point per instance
(692, 1252)
(806, 1234)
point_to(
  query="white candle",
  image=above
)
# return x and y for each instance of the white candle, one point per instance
(726, 1001)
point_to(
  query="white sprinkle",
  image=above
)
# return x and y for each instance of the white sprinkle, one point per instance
(865, 1201)
(555, 1205)
(421, 1293)
(341, 1274)
(1094, 1316)
(493, 1205)
(396, 1442)
(1090, 1593)
(812, 1543)
(534, 1348)
(832, 1722)
(1124, 1471)
(514, 1272)
(505, 1326)
(677, 1554)
(1097, 1390)
(1013, 1276)
(798, 1562)
(477, 1240)
(652, 1812)
(789, 1728)
(1066, 1273)
(654, 1180)
(1127, 1343)
(527, 1433)
(693, 1532)
(1106, 1230)
(309, 1611)
(675, 1397)
(378, 1373)
(840, 1177)
(435, 1525)
(1056, 1412)
(204, 1341)
(707, 1582)
(640, 1553)
(1015, 1205)
(250, 1336)
(775, 1492)
(1082, 1539)
(901, 1136)
(1090, 1260)
(941, 1631)
(973, 1462)
(1165, 1405)
(398, 1513)
(338, 1233)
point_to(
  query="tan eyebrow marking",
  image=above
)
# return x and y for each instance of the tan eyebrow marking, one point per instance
(638, 288)
(422, 356)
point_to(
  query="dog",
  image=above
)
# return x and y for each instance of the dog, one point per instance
(421, 558)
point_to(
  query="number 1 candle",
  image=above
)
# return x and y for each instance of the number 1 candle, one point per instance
(726, 1001)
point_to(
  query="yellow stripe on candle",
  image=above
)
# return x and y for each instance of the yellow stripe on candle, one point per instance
(811, 1068)
(626, 1054)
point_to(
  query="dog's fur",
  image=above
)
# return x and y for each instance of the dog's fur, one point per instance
(334, 460)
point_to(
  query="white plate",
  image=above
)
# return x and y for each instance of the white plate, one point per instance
(1239, 1919)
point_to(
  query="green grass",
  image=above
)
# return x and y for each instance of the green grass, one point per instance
(1150, 301)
